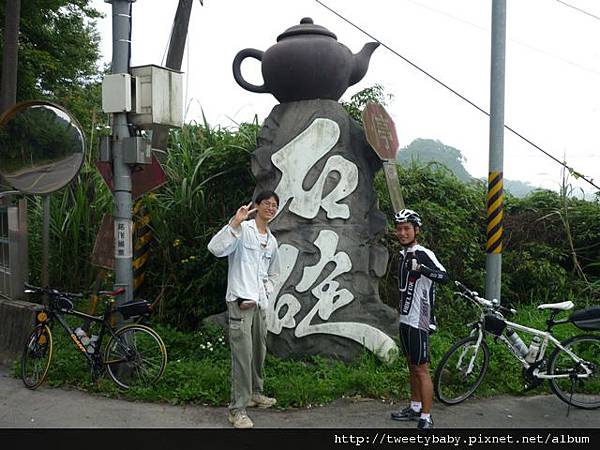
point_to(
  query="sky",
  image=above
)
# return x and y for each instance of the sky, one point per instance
(552, 70)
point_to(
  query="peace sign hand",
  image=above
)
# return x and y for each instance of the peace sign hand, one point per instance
(242, 214)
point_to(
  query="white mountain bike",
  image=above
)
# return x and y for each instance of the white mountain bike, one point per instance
(572, 368)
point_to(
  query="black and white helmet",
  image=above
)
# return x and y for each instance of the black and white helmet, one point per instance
(408, 215)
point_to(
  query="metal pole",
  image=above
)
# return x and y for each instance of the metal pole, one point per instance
(45, 240)
(495, 194)
(45, 244)
(10, 56)
(122, 172)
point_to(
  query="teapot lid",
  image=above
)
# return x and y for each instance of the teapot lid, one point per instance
(306, 26)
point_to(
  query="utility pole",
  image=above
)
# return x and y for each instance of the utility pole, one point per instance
(121, 27)
(179, 34)
(10, 56)
(160, 133)
(495, 194)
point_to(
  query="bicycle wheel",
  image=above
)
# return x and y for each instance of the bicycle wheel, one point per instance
(36, 356)
(453, 382)
(582, 392)
(135, 356)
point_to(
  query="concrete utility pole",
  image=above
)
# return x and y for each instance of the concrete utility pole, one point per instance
(160, 133)
(495, 195)
(10, 56)
(121, 25)
(179, 34)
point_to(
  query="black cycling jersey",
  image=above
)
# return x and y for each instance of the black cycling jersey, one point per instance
(417, 290)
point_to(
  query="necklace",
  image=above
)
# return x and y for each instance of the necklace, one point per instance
(264, 241)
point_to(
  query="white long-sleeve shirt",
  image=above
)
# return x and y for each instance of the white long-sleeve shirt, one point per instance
(253, 269)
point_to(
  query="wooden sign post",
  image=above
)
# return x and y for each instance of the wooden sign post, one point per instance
(381, 135)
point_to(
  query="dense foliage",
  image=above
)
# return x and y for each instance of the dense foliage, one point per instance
(209, 177)
(199, 365)
(552, 240)
(58, 54)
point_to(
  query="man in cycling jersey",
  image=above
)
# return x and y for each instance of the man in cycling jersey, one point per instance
(418, 269)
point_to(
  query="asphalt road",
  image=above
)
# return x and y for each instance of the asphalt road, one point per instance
(64, 408)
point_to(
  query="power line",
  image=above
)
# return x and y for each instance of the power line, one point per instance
(579, 9)
(516, 41)
(570, 169)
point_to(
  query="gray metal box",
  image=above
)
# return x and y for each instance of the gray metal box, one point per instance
(13, 248)
(137, 150)
(116, 93)
(104, 149)
(157, 97)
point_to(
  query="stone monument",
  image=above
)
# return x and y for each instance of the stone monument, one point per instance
(316, 158)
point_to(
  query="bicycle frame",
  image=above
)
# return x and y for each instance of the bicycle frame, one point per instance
(125, 364)
(546, 338)
(572, 378)
(103, 320)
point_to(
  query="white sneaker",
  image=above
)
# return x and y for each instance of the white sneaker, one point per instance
(240, 419)
(261, 401)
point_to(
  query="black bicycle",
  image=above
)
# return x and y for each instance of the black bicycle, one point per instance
(134, 354)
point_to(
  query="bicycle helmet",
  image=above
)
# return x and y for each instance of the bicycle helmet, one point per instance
(408, 215)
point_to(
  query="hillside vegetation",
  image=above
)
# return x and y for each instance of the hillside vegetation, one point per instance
(552, 241)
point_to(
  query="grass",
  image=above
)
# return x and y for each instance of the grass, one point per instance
(199, 364)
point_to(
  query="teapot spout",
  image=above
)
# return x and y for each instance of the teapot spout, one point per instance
(361, 62)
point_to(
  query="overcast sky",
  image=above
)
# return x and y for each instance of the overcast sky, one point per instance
(552, 69)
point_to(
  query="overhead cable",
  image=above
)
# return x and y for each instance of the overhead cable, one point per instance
(579, 9)
(571, 170)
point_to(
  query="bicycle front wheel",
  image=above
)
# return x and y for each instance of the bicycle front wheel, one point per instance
(135, 356)
(36, 356)
(461, 371)
(575, 386)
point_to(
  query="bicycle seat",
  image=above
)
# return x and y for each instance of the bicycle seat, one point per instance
(564, 306)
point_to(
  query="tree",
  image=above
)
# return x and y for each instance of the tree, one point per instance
(8, 90)
(358, 101)
(428, 150)
(58, 51)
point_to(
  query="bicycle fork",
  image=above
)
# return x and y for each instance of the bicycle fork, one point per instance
(475, 348)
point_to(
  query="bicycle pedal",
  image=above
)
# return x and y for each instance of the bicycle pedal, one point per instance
(529, 387)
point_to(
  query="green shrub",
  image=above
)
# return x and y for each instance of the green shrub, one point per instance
(209, 177)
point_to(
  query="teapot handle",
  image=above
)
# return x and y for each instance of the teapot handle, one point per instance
(237, 72)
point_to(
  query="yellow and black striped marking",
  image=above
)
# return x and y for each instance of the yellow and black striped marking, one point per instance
(142, 237)
(495, 214)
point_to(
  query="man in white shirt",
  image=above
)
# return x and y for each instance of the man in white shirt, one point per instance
(252, 252)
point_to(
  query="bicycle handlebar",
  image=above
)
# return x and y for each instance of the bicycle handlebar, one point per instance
(473, 295)
(50, 291)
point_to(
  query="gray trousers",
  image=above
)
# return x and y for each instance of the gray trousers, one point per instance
(248, 342)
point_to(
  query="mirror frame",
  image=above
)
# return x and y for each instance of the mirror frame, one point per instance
(21, 106)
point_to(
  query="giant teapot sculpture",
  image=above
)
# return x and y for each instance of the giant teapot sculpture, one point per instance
(306, 63)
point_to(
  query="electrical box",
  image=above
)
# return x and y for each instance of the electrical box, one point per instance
(116, 93)
(157, 97)
(137, 150)
(104, 149)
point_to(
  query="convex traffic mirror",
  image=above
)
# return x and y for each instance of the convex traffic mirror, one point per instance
(41, 147)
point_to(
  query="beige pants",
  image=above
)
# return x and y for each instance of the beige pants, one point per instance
(248, 342)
